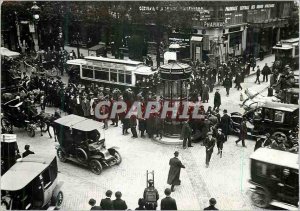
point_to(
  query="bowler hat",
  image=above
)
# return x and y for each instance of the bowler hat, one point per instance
(176, 153)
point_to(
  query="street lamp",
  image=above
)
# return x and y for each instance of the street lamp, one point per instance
(35, 10)
(77, 39)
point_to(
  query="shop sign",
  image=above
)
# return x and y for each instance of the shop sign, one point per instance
(252, 7)
(259, 6)
(213, 24)
(244, 7)
(269, 5)
(231, 8)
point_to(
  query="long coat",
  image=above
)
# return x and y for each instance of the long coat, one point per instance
(85, 107)
(174, 172)
(243, 130)
(225, 124)
(217, 99)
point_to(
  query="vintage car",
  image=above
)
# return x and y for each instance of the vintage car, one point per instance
(9, 151)
(276, 119)
(79, 141)
(32, 184)
(275, 179)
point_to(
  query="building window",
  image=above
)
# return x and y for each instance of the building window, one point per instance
(88, 73)
(128, 79)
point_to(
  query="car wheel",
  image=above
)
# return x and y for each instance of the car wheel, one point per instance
(6, 125)
(118, 157)
(30, 131)
(260, 198)
(81, 155)
(280, 136)
(61, 155)
(95, 166)
(59, 200)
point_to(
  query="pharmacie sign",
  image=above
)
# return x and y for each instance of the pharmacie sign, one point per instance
(213, 24)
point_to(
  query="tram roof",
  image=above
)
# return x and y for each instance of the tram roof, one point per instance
(118, 61)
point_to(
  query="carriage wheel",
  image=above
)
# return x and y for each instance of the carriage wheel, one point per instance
(260, 198)
(30, 131)
(279, 136)
(118, 157)
(95, 166)
(6, 125)
(61, 155)
(59, 200)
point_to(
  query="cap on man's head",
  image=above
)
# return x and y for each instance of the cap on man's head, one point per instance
(118, 194)
(27, 147)
(108, 193)
(225, 111)
(167, 191)
(92, 202)
(212, 201)
(176, 153)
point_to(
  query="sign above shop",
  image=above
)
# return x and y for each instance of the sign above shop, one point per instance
(213, 24)
(231, 8)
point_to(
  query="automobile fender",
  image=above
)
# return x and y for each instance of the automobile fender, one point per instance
(112, 149)
(56, 190)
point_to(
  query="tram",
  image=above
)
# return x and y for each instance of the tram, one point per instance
(109, 71)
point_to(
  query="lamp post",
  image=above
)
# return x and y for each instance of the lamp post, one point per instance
(35, 10)
(77, 39)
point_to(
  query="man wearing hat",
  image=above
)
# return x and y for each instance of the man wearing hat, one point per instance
(168, 203)
(243, 132)
(209, 144)
(217, 100)
(106, 204)
(186, 133)
(174, 172)
(220, 141)
(149, 192)
(212, 203)
(225, 123)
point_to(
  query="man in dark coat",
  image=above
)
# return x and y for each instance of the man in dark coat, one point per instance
(150, 203)
(174, 172)
(186, 133)
(217, 100)
(225, 123)
(142, 126)
(118, 203)
(227, 84)
(168, 203)
(243, 132)
(266, 71)
(212, 203)
(220, 141)
(205, 94)
(133, 124)
(209, 144)
(106, 204)
(257, 75)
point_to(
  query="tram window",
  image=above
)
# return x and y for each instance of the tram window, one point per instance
(101, 75)
(128, 79)
(88, 73)
(121, 78)
(113, 75)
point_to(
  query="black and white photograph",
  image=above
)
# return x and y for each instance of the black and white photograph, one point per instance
(149, 105)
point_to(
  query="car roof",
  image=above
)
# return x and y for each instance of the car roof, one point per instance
(79, 123)
(277, 157)
(281, 106)
(24, 171)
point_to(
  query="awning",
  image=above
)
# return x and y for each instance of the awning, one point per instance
(197, 39)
